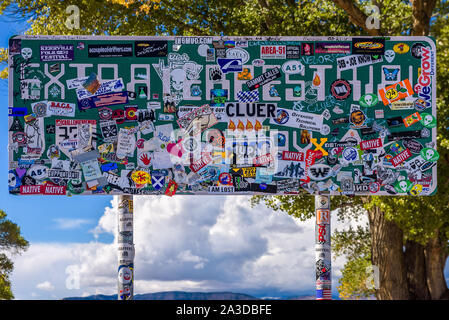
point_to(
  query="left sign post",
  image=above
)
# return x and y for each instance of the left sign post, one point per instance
(125, 222)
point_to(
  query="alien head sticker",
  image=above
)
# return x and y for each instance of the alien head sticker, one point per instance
(428, 120)
(368, 100)
(403, 186)
(430, 154)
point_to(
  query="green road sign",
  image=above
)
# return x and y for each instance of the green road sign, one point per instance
(222, 115)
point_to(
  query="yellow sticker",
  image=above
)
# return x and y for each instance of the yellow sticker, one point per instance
(401, 48)
(141, 177)
(416, 189)
(249, 172)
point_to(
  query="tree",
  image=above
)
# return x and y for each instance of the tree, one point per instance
(418, 224)
(10, 241)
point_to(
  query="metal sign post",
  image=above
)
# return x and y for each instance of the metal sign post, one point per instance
(323, 247)
(125, 219)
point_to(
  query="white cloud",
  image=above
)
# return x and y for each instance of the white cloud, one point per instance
(65, 223)
(212, 243)
(46, 286)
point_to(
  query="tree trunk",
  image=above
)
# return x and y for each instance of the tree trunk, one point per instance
(388, 255)
(415, 263)
(435, 261)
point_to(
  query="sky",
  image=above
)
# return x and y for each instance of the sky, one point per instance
(184, 243)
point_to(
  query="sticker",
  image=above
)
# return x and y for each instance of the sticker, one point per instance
(416, 50)
(292, 52)
(198, 120)
(412, 119)
(221, 189)
(401, 157)
(56, 52)
(357, 118)
(319, 172)
(109, 50)
(141, 177)
(389, 55)
(396, 91)
(264, 78)
(171, 188)
(413, 145)
(356, 61)
(109, 99)
(92, 87)
(146, 49)
(368, 46)
(293, 67)
(340, 89)
(258, 62)
(230, 65)
(369, 100)
(272, 52)
(430, 154)
(238, 53)
(63, 109)
(390, 74)
(290, 169)
(371, 144)
(428, 120)
(401, 48)
(297, 119)
(333, 47)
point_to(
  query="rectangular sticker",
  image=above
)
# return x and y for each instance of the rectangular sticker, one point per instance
(355, 61)
(272, 52)
(298, 119)
(108, 99)
(264, 78)
(56, 52)
(110, 50)
(105, 87)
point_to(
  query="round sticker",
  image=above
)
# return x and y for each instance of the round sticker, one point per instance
(282, 116)
(357, 118)
(340, 89)
(416, 50)
(420, 104)
(105, 113)
(125, 275)
(374, 187)
(350, 154)
(225, 178)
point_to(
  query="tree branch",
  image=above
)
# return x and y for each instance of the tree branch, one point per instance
(422, 12)
(356, 16)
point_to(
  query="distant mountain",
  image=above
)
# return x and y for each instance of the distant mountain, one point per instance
(174, 295)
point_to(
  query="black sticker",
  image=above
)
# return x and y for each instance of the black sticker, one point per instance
(264, 78)
(151, 48)
(394, 122)
(370, 46)
(110, 50)
(293, 52)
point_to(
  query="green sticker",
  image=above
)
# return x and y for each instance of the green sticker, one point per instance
(428, 120)
(369, 100)
(403, 186)
(430, 154)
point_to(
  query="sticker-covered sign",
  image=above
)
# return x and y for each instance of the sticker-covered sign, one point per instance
(222, 115)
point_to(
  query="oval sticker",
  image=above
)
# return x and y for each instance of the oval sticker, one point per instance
(238, 53)
(401, 48)
(293, 67)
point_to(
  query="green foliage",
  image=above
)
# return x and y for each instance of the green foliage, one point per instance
(10, 241)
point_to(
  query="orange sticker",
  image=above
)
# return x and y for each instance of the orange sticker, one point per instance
(395, 92)
(411, 119)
